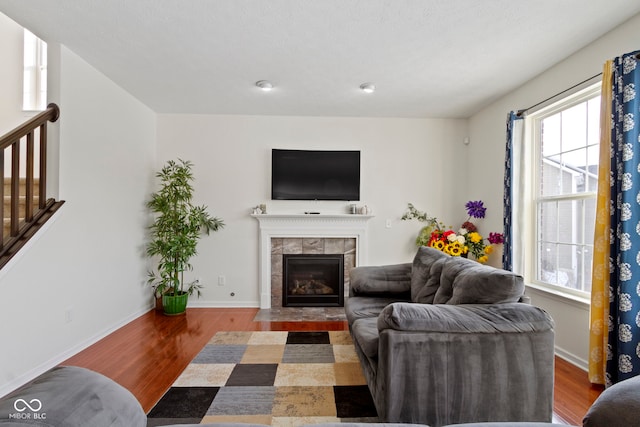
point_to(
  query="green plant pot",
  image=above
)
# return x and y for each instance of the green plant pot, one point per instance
(175, 305)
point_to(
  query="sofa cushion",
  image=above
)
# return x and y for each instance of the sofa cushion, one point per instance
(423, 282)
(618, 405)
(451, 268)
(427, 294)
(465, 281)
(465, 319)
(483, 284)
(365, 307)
(380, 280)
(365, 333)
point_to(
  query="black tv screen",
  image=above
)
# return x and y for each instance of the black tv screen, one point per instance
(315, 175)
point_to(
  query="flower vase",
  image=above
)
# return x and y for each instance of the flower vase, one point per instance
(495, 259)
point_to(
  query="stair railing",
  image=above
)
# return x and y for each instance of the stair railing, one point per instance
(17, 228)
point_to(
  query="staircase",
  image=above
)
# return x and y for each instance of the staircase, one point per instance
(23, 164)
(22, 202)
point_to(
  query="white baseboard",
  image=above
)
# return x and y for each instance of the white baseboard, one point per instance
(572, 358)
(224, 304)
(59, 358)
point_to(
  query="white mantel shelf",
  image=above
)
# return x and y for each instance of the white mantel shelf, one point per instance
(306, 225)
(311, 219)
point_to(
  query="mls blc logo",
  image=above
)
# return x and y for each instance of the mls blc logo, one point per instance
(22, 407)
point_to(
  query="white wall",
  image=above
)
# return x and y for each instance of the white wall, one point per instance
(402, 160)
(88, 262)
(487, 130)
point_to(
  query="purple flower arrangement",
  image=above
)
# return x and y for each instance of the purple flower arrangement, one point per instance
(475, 209)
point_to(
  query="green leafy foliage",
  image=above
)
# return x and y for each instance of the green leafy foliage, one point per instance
(432, 224)
(176, 230)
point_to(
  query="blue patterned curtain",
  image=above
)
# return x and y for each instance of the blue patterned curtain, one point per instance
(623, 353)
(509, 160)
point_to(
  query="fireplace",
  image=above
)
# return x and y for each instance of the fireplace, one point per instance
(313, 280)
(307, 234)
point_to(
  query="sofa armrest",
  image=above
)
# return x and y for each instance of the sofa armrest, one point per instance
(464, 318)
(71, 396)
(380, 280)
(433, 360)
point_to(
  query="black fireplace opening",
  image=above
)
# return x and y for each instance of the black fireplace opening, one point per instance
(313, 280)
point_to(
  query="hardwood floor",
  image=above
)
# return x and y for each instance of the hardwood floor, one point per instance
(147, 355)
(573, 393)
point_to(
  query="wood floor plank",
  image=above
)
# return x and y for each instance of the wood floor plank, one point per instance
(147, 355)
(573, 393)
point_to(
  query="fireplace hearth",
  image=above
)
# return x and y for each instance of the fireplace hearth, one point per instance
(313, 280)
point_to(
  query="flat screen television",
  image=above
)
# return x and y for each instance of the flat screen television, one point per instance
(315, 175)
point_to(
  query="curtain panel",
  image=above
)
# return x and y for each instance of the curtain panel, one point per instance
(512, 214)
(599, 314)
(615, 351)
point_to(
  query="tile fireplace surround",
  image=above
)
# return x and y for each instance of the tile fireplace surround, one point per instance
(306, 233)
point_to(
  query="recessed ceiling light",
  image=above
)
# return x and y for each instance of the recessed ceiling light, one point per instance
(264, 85)
(368, 87)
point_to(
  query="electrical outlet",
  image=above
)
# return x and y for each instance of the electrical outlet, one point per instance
(68, 315)
(222, 280)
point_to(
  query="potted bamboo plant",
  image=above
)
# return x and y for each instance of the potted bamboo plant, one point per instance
(174, 235)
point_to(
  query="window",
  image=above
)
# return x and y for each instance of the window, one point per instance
(565, 178)
(35, 73)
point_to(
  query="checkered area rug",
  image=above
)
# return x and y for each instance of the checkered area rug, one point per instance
(273, 378)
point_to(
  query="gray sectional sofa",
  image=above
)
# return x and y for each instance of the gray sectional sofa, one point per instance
(445, 340)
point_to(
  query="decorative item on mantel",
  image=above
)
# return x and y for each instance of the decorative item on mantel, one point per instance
(361, 210)
(365, 210)
(466, 240)
(260, 209)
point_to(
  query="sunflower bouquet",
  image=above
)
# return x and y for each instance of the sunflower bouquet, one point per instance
(455, 243)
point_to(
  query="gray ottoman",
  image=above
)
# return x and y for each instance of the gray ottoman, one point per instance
(619, 405)
(71, 397)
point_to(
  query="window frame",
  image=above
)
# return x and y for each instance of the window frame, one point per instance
(533, 157)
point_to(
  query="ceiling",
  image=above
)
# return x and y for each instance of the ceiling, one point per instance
(427, 58)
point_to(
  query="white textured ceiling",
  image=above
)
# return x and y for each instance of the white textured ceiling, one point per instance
(427, 58)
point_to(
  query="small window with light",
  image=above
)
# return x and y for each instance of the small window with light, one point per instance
(35, 73)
